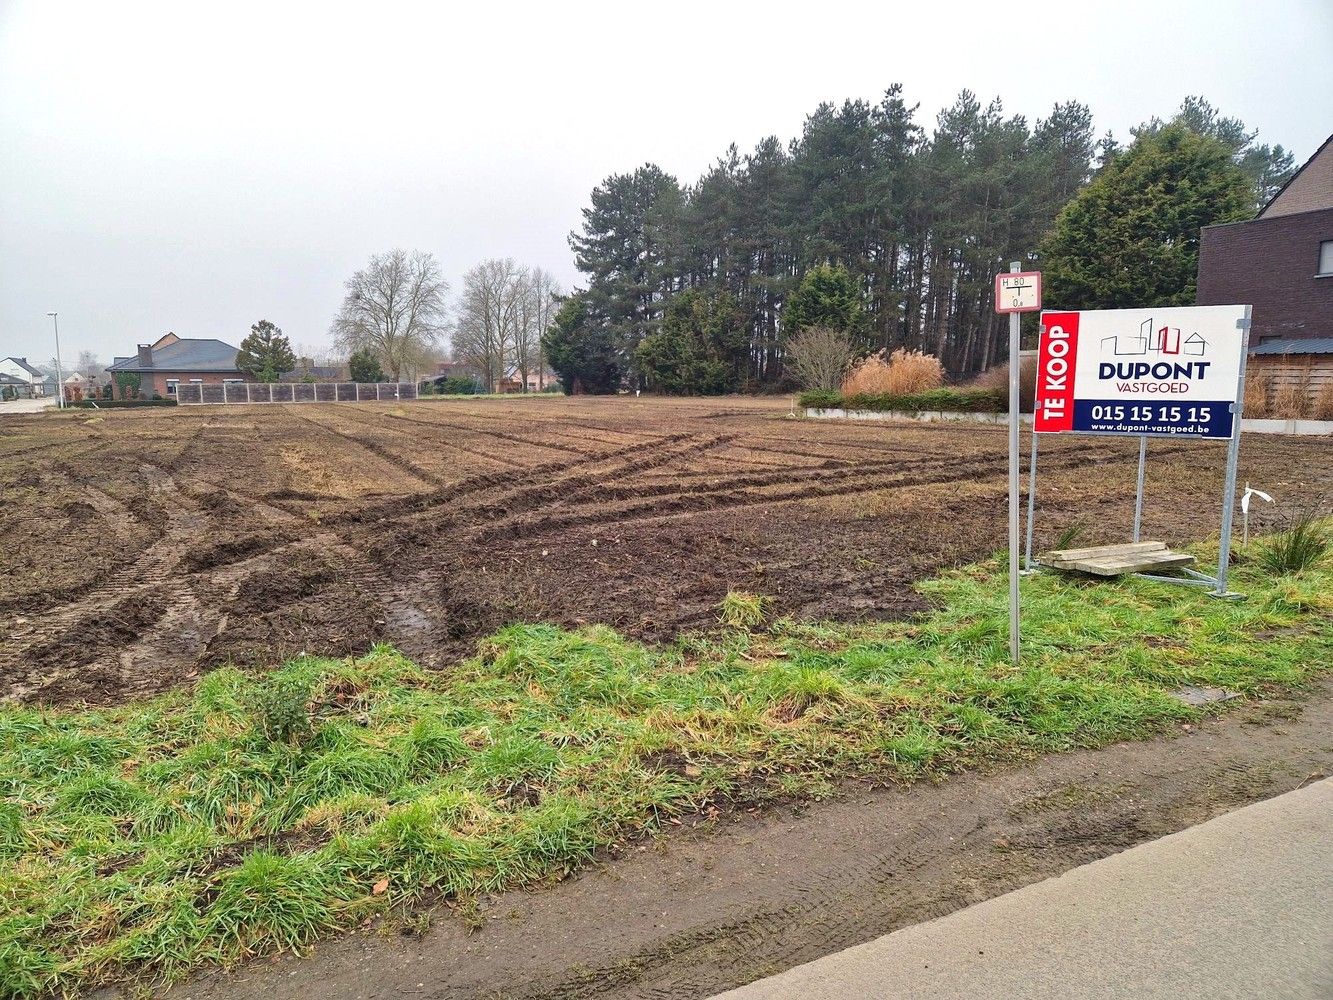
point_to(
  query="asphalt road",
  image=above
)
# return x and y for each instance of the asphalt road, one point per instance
(1238, 907)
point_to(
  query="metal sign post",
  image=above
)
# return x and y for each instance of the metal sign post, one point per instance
(1015, 292)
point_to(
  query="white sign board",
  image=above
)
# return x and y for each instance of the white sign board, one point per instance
(1018, 291)
(1172, 371)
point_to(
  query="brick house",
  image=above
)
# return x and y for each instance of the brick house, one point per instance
(1281, 262)
(172, 361)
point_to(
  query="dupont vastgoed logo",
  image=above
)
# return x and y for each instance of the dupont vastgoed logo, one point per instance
(1150, 340)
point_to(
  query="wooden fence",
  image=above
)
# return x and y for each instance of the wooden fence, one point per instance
(189, 393)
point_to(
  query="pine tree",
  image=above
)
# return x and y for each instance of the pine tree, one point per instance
(826, 296)
(364, 366)
(265, 354)
(588, 353)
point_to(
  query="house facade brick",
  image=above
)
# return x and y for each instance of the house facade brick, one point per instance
(1273, 265)
(1281, 262)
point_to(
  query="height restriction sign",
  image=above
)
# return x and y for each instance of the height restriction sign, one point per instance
(1141, 371)
(1018, 291)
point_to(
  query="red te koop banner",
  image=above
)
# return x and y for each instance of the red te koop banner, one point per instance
(1055, 371)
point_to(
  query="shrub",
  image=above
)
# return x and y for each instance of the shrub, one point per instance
(280, 707)
(821, 398)
(458, 385)
(957, 400)
(1304, 542)
(818, 358)
(903, 373)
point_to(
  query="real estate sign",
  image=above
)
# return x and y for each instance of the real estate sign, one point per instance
(1172, 371)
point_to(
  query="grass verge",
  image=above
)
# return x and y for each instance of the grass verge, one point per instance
(257, 812)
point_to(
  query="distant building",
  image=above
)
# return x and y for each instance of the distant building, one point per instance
(172, 361)
(537, 381)
(13, 387)
(1280, 262)
(19, 370)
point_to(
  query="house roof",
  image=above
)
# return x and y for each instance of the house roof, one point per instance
(1296, 345)
(1327, 144)
(186, 354)
(23, 363)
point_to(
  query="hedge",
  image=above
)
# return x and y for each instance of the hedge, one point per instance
(957, 400)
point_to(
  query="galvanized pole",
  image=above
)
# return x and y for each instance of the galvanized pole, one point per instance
(1233, 459)
(1138, 490)
(1032, 498)
(60, 375)
(1014, 267)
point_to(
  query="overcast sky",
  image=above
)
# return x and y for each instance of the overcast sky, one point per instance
(192, 167)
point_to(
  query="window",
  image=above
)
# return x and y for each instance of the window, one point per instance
(1326, 258)
(172, 383)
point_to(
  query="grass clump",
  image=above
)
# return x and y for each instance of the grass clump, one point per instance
(1301, 545)
(254, 814)
(741, 610)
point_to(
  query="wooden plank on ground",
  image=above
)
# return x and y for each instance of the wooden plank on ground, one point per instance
(1097, 551)
(1143, 563)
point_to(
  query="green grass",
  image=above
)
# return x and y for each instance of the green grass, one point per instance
(256, 813)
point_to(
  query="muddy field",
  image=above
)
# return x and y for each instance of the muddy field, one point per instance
(143, 547)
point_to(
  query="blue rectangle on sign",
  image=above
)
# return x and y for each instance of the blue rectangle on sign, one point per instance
(1207, 419)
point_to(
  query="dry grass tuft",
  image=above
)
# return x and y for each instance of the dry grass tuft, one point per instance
(1323, 403)
(1291, 402)
(904, 373)
(996, 379)
(1258, 391)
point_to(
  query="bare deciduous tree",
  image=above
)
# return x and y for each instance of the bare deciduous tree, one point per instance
(536, 311)
(819, 357)
(396, 307)
(503, 312)
(486, 335)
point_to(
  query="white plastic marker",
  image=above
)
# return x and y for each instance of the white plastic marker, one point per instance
(1250, 491)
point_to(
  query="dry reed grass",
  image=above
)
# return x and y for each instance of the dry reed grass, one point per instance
(1323, 403)
(903, 373)
(1258, 392)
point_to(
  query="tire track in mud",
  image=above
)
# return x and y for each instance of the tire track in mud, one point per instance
(639, 455)
(492, 432)
(677, 503)
(448, 442)
(399, 462)
(61, 644)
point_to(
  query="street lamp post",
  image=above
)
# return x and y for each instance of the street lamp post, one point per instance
(60, 376)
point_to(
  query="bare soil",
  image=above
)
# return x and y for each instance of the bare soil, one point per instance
(750, 894)
(144, 547)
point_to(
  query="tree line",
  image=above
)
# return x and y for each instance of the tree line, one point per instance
(894, 232)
